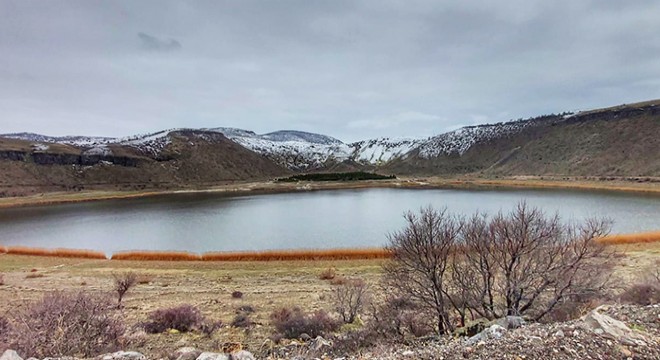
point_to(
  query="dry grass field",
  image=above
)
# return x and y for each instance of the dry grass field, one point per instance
(208, 285)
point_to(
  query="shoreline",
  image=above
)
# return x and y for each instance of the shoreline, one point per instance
(331, 254)
(273, 187)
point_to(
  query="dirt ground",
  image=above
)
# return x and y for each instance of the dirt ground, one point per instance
(209, 286)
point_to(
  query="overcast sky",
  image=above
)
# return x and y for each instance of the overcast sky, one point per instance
(349, 69)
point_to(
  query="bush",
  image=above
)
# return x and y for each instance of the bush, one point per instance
(237, 295)
(123, 282)
(293, 322)
(67, 324)
(522, 263)
(328, 274)
(209, 327)
(183, 318)
(349, 299)
(242, 321)
(642, 294)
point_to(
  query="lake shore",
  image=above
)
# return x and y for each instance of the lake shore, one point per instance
(642, 186)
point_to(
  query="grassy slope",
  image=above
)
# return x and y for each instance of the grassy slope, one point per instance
(618, 141)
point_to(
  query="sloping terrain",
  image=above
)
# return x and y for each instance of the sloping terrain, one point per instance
(173, 159)
(619, 141)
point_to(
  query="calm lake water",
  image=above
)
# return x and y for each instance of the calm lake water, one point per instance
(325, 219)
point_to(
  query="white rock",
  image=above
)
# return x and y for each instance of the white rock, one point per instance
(10, 355)
(242, 355)
(123, 355)
(612, 329)
(212, 356)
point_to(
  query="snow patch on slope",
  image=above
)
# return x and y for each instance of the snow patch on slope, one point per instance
(381, 150)
(461, 140)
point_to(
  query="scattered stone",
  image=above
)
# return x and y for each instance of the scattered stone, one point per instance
(10, 355)
(558, 334)
(493, 332)
(612, 329)
(242, 355)
(510, 322)
(212, 356)
(123, 355)
(319, 343)
(186, 353)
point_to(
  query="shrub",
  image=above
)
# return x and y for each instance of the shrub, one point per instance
(242, 320)
(349, 299)
(248, 309)
(642, 294)
(123, 282)
(292, 322)
(521, 263)
(2, 279)
(398, 317)
(328, 274)
(67, 324)
(183, 318)
(237, 295)
(209, 327)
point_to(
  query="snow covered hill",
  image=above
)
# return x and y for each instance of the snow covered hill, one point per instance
(304, 151)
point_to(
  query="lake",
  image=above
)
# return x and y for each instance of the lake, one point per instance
(321, 219)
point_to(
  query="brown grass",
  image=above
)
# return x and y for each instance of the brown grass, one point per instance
(156, 256)
(63, 253)
(645, 237)
(298, 255)
(3, 250)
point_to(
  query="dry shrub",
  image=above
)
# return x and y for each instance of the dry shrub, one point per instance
(156, 256)
(209, 327)
(328, 274)
(339, 280)
(641, 294)
(144, 279)
(237, 295)
(293, 322)
(123, 282)
(399, 317)
(298, 255)
(183, 318)
(63, 253)
(67, 324)
(350, 298)
(2, 279)
(645, 237)
(242, 320)
(34, 276)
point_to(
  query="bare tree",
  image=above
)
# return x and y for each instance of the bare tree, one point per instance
(123, 282)
(420, 258)
(526, 263)
(350, 298)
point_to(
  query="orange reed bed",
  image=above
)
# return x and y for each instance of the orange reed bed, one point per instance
(156, 256)
(645, 237)
(292, 255)
(62, 253)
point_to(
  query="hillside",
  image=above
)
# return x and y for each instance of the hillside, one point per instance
(618, 141)
(171, 159)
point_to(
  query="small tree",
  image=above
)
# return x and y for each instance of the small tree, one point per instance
(420, 258)
(350, 298)
(123, 282)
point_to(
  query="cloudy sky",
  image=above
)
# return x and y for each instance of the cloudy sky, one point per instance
(350, 69)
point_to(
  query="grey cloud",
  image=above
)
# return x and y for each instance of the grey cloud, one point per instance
(150, 42)
(351, 69)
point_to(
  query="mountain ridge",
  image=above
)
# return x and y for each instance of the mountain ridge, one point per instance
(614, 141)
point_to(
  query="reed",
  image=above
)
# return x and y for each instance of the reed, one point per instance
(3, 250)
(156, 256)
(63, 253)
(297, 255)
(645, 237)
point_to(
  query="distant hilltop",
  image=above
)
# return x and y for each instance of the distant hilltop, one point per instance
(615, 141)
